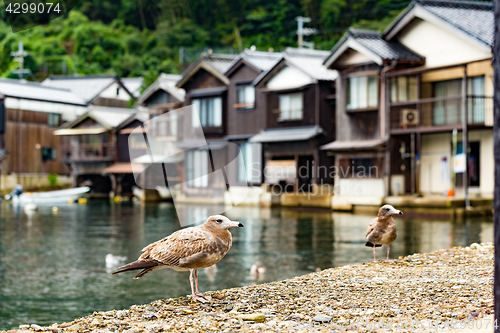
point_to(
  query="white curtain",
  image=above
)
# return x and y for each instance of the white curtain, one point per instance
(217, 111)
(195, 113)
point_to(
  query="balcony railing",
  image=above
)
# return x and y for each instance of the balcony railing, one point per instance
(88, 152)
(440, 112)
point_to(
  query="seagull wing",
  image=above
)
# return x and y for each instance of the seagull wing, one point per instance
(371, 226)
(179, 246)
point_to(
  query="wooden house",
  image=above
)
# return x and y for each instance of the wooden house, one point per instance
(29, 114)
(298, 117)
(246, 109)
(160, 101)
(400, 96)
(91, 145)
(206, 93)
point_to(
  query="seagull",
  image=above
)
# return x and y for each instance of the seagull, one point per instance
(187, 249)
(382, 229)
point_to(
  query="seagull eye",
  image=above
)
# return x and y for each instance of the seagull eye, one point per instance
(387, 209)
(218, 220)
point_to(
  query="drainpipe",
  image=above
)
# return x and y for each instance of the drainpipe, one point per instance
(387, 124)
(465, 138)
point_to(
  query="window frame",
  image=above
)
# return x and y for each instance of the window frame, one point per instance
(366, 92)
(207, 119)
(290, 111)
(244, 105)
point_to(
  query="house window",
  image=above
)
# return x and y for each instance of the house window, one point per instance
(197, 168)
(447, 111)
(48, 154)
(209, 111)
(166, 125)
(54, 119)
(476, 107)
(291, 106)
(404, 88)
(362, 92)
(245, 163)
(245, 97)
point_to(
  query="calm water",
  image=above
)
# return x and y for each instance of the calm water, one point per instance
(52, 266)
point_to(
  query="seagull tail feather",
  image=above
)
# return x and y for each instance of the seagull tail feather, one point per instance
(146, 265)
(369, 244)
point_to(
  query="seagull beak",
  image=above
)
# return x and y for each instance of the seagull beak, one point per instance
(398, 212)
(235, 224)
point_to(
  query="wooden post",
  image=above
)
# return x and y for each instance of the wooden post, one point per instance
(496, 141)
(387, 97)
(465, 138)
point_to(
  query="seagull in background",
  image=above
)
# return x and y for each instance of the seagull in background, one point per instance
(187, 249)
(112, 260)
(257, 270)
(382, 229)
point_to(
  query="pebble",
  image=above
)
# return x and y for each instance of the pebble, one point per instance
(322, 318)
(439, 287)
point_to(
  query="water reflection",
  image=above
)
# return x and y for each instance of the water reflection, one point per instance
(52, 264)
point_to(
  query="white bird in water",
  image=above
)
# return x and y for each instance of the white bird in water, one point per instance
(112, 260)
(382, 229)
(30, 207)
(257, 270)
(187, 249)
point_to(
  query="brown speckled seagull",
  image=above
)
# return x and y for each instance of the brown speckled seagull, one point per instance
(382, 229)
(187, 249)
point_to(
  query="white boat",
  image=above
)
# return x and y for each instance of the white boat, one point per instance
(49, 198)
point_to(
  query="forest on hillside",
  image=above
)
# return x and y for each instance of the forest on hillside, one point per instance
(144, 38)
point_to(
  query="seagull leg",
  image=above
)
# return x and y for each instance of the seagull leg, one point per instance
(197, 293)
(388, 250)
(374, 258)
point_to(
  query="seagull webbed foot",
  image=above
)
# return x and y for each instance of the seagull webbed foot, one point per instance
(201, 298)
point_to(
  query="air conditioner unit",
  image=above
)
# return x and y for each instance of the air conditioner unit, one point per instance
(409, 117)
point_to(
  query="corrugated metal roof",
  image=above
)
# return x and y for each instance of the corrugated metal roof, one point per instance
(133, 85)
(86, 87)
(287, 134)
(474, 18)
(36, 91)
(353, 145)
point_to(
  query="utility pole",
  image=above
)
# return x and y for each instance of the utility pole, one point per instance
(19, 56)
(300, 28)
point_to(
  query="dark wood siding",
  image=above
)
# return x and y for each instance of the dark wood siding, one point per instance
(23, 132)
(243, 121)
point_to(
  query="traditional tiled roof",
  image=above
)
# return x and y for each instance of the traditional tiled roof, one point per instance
(373, 41)
(220, 62)
(133, 85)
(164, 82)
(475, 18)
(259, 59)
(311, 62)
(287, 134)
(86, 87)
(216, 64)
(36, 91)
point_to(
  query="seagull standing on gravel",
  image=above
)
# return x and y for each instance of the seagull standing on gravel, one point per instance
(382, 229)
(187, 249)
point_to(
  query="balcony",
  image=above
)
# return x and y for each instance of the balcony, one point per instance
(440, 114)
(88, 152)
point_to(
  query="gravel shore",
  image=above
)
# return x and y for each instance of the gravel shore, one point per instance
(444, 290)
